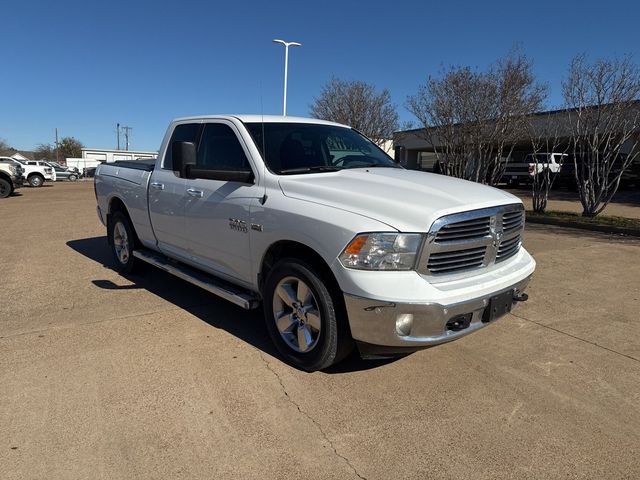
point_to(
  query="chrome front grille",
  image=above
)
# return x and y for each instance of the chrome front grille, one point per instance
(512, 220)
(508, 248)
(472, 240)
(447, 262)
(476, 228)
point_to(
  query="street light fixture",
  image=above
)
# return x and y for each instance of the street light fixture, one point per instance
(286, 66)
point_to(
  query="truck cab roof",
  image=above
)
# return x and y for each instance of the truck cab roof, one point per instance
(257, 118)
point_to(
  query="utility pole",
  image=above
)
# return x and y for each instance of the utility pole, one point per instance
(127, 131)
(57, 156)
(117, 136)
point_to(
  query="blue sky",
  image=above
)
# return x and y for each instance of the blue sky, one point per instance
(83, 66)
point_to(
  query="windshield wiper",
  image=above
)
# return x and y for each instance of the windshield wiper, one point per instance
(316, 168)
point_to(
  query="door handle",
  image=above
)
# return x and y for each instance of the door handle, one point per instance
(157, 185)
(194, 193)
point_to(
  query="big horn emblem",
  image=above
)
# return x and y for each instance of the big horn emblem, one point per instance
(496, 233)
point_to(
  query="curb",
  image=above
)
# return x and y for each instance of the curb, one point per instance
(633, 232)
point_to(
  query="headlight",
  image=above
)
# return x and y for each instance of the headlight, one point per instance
(382, 251)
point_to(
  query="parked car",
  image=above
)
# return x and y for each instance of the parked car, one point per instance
(66, 167)
(63, 173)
(11, 177)
(516, 173)
(342, 248)
(35, 175)
(89, 172)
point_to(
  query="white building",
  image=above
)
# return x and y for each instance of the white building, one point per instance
(105, 155)
(92, 157)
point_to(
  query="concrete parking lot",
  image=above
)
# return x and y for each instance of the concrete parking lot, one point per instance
(149, 377)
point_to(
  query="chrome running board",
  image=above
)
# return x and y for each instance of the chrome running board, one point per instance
(236, 295)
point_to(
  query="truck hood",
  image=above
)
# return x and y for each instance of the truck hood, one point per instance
(407, 200)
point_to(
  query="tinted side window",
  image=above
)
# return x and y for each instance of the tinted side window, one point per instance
(187, 132)
(220, 149)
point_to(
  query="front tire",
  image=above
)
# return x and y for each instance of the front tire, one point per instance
(122, 241)
(73, 178)
(6, 188)
(36, 180)
(304, 316)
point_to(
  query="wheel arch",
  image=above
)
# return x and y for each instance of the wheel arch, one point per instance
(292, 249)
(116, 204)
(5, 176)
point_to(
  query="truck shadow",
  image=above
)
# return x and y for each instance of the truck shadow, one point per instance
(247, 325)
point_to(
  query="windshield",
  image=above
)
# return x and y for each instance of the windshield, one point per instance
(306, 147)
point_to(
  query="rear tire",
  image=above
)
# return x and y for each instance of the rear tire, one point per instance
(123, 241)
(6, 188)
(305, 316)
(36, 180)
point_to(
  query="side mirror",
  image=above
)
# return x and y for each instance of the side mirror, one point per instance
(183, 156)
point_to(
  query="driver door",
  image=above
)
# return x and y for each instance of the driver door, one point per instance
(218, 212)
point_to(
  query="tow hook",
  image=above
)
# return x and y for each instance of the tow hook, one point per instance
(520, 296)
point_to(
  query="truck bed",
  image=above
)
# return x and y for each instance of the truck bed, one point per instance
(145, 164)
(128, 181)
(136, 171)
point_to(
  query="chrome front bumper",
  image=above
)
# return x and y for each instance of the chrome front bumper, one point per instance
(374, 323)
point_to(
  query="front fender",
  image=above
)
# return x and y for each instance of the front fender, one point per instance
(324, 229)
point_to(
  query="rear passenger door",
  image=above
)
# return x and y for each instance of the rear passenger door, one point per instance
(167, 197)
(217, 212)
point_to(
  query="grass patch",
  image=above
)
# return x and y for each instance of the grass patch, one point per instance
(607, 220)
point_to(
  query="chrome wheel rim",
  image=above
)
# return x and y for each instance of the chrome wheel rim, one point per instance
(121, 242)
(296, 313)
(36, 182)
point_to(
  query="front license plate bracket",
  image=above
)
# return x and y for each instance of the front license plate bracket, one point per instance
(499, 305)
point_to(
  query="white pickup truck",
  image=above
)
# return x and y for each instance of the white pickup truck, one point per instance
(533, 164)
(10, 178)
(35, 172)
(340, 245)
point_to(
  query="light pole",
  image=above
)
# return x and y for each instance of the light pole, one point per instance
(286, 66)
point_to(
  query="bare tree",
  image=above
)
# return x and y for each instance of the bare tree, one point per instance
(472, 119)
(605, 119)
(545, 134)
(4, 146)
(45, 151)
(359, 105)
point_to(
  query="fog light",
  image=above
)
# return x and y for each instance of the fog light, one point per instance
(459, 322)
(404, 322)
